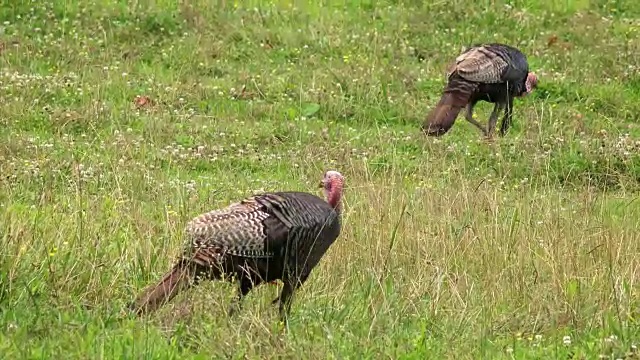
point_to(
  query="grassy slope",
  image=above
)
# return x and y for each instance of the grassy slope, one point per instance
(452, 247)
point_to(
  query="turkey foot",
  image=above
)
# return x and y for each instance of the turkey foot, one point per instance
(236, 304)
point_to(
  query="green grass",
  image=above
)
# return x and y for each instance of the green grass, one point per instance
(451, 247)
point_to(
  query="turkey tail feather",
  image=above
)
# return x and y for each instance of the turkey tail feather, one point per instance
(174, 281)
(442, 117)
(456, 96)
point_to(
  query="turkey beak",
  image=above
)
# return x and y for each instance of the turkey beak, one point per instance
(321, 184)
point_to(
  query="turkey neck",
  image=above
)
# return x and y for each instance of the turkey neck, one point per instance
(334, 196)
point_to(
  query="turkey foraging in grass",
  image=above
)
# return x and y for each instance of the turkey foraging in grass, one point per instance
(495, 73)
(263, 238)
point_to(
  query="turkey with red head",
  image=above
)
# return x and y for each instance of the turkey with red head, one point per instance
(263, 238)
(495, 73)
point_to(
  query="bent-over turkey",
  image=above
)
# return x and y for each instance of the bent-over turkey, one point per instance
(495, 73)
(263, 238)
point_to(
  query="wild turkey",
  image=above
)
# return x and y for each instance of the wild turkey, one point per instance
(263, 238)
(494, 73)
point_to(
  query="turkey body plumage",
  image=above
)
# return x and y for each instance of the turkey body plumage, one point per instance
(494, 73)
(265, 237)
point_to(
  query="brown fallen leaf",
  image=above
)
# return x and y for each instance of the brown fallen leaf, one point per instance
(142, 101)
(555, 41)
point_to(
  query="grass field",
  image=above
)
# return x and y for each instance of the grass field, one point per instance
(120, 122)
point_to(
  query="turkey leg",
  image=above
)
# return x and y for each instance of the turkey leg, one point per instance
(493, 119)
(469, 117)
(286, 298)
(506, 120)
(291, 284)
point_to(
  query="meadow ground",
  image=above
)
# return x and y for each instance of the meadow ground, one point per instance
(120, 122)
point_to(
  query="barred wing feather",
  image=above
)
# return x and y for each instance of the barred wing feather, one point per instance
(238, 229)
